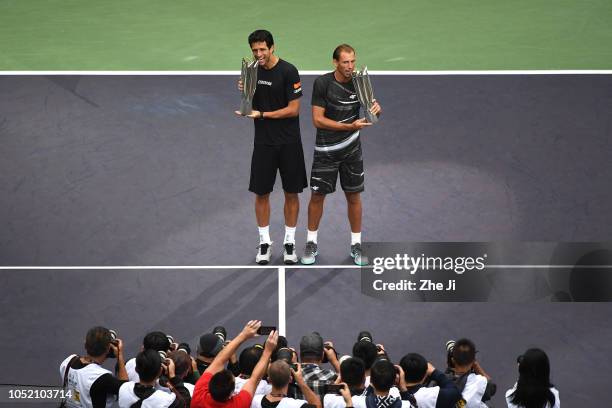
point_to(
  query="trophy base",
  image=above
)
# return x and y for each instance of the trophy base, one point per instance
(246, 107)
(370, 117)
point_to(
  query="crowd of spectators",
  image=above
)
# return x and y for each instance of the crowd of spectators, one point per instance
(274, 375)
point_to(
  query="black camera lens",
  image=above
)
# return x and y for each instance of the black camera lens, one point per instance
(111, 352)
(185, 347)
(365, 336)
(220, 332)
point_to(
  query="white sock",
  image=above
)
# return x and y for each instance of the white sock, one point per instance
(312, 236)
(264, 235)
(355, 238)
(289, 235)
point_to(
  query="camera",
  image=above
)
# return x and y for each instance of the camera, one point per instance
(328, 347)
(111, 352)
(450, 346)
(333, 388)
(220, 332)
(173, 344)
(365, 336)
(184, 347)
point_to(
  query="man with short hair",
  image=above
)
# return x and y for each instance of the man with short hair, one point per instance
(472, 381)
(156, 341)
(149, 366)
(335, 114)
(378, 394)
(247, 361)
(91, 385)
(416, 371)
(278, 145)
(353, 374)
(215, 387)
(279, 375)
(312, 350)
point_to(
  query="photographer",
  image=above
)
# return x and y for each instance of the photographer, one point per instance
(149, 366)
(183, 368)
(249, 357)
(312, 353)
(156, 341)
(89, 383)
(383, 377)
(215, 387)
(368, 353)
(352, 375)
(417, 372)
(472, 381)
(210, 345)
(279, 374)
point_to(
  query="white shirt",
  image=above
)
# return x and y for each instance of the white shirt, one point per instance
(158, 399)
(284, 403)
(475, 387)
(359, 401)
(80, 382)
(263, 387)
(427, 397)
(552, 389)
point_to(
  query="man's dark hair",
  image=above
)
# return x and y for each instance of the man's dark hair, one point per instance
(342, 48)
(148, 363)
(182, 362)
(248, 359)
(464, 352)
(414, 366)
(382, 375)
(352, 371)
(261, 36)
(157, 341)
(367, 351)
(279, 374)
(221, 385)
(97, 341)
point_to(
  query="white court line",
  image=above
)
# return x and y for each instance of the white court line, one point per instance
(176, 267)
(303, 267)
(282, 321)
(316, 72)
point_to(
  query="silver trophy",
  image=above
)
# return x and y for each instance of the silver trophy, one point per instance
(248, 76)
(365, 94)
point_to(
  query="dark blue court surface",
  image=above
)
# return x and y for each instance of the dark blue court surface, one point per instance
(154, 170)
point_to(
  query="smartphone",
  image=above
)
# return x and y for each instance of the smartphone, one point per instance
(266, 329)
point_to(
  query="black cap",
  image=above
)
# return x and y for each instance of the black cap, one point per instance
(210, 345)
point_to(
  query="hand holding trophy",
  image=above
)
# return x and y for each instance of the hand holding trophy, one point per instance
(248, 79)
(365, 94)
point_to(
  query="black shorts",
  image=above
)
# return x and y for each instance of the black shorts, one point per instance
(327, 165)
(288, 159)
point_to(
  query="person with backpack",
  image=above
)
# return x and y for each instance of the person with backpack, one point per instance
(464, 370)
